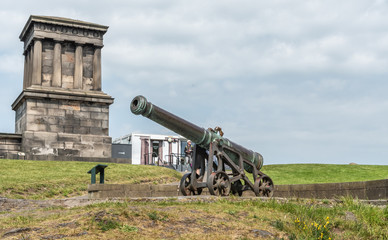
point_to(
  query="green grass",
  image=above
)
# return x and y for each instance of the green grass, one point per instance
(215, 218)
(324, 173)
(58, 179)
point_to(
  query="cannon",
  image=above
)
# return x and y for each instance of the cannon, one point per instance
(218, 163)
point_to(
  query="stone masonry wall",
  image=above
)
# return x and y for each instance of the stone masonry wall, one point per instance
(74, 117)
(65, 128)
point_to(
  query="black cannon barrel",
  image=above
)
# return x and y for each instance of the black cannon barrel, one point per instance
(140, 105)
(198, 135)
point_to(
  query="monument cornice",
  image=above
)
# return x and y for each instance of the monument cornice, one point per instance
(62, 94)
(62, 29)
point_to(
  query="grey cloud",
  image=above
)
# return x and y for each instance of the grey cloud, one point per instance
(301, 81)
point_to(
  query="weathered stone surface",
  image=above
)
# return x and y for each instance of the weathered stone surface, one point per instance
(90, 107)
(98, 131)
(55, 128)
(47, 137)
(68, 152)
(90, 123)
(81, 130)
(91, 139)
(88, 53)
(67, 81)
(56, 112)
(32, 110)
(66, 137)
(37, 127)
(105, 124)
(40, 103)
(99, 116)
(82, 115)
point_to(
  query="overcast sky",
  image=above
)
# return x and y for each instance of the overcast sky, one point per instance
(297, 81)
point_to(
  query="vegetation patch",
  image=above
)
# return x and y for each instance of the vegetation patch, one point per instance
(210, 218)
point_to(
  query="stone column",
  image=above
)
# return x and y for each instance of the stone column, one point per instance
(29, 67)
(37, 63)
(25, 76)
(78, 67)
(97, 69)
(57, 65)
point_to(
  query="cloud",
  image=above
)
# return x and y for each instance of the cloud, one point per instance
(301, 81)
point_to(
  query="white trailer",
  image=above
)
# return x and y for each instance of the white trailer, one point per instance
(155, 149)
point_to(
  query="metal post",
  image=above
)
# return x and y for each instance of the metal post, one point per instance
(102, 175)
(93, 173)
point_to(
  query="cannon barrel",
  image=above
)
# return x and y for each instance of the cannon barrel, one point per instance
(196, 134)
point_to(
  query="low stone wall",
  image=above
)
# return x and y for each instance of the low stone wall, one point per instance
(63, 158)
(370, 190)
(78, 159)
(362, 190)
(10, 145)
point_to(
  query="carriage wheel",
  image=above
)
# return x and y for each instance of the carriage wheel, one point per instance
(185, 186)
(219, 184)
(263, 186)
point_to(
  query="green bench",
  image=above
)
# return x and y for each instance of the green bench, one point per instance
(99, 168)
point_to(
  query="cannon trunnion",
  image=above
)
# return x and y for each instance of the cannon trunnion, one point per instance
(213, 155)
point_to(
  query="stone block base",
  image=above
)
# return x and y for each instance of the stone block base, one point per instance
(57, 122)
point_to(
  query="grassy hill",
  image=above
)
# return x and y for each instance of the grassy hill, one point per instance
(56, 179)
(324, 173)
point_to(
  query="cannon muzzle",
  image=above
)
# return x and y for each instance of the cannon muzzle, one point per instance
(202, 137)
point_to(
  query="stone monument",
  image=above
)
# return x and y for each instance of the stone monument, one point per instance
(62, 111)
